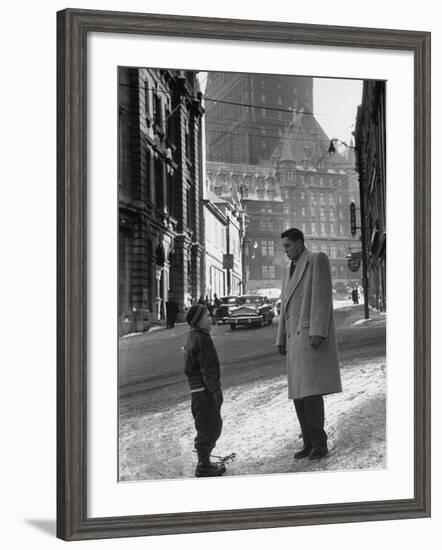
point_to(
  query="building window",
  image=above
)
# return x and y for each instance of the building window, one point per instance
(268, 271)
(314, 229)
(341, 230)
(146, 99)
(303, 211)
(170, 193)
(267, 248)
(121, 145)
(332, 214)
(334, 272)
(341, 215)
(322, 213)
(332, 251)
(159, 183)
(157, 114)
(322, 228)
(188, 140)
(267, 225)
(332, 228)
(189, 208)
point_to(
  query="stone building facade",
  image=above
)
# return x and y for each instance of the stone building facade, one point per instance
(291, 195)
(161, 234)
(223, 227)
(255, 192)
(371, 164)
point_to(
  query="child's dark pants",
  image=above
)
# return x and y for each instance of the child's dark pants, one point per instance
(208, 422)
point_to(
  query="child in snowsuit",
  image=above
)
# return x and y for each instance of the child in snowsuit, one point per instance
(203, 372)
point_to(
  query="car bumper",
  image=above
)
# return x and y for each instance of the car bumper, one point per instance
(245, 320)
(222, 321)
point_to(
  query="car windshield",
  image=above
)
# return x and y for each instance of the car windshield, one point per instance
(230, 300)
(251, 300)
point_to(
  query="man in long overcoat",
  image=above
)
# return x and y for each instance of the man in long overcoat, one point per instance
(172, 311)
(306, 334)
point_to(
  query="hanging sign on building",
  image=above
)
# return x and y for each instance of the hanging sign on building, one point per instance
(228, 261)
(354, 261)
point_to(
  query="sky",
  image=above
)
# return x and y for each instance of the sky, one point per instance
(335, 102)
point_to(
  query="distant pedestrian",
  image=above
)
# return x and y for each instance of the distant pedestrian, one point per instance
(203, 373)
(201, 300)
(216, 301)
(172, 311)
(355, 295)
(306, 333)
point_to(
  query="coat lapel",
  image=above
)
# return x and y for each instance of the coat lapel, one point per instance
(294, 281)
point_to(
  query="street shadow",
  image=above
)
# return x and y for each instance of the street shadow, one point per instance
(47, 526)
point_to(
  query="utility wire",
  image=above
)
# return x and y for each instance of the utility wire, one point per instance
(254, 106)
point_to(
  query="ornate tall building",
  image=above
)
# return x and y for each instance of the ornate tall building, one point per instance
(247, 112)
(266, 148)
(317, 189)
(161, 234)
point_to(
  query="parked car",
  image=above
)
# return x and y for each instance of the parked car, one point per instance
(222, 314)
(252, 310)
(273, 294)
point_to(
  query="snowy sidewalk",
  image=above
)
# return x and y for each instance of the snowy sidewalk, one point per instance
(260, 426)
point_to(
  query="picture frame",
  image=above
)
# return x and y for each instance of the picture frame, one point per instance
(73, 27)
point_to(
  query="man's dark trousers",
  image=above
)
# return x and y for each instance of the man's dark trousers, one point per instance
(310, 412)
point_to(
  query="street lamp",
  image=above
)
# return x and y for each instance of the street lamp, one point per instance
(332, 151)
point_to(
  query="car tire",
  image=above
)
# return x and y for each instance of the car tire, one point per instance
(233, 327)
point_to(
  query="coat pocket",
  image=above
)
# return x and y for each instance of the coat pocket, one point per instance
(305, 322)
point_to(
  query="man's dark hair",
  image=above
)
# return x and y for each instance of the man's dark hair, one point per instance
(293, 234)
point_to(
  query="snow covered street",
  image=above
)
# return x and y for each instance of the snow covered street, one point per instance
(260, 426)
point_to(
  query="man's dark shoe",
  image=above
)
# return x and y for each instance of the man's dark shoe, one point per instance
(303, 453)
(317, 453)
(209, 469)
